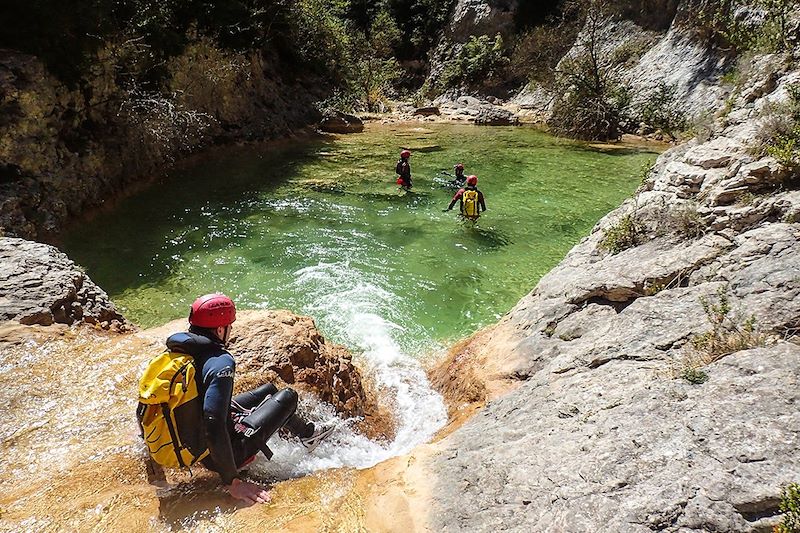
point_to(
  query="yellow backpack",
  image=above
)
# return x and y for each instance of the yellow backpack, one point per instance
(469, 204)
(170, 411)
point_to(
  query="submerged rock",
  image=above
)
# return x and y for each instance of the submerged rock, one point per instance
(338, 122)
(40, 285)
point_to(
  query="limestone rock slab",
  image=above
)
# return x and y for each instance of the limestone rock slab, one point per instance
(40, 285)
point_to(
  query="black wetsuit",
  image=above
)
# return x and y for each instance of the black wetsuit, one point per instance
(459, 179)
(228, 447)
(403, 169)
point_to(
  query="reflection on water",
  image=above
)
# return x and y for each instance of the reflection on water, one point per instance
(489, 236)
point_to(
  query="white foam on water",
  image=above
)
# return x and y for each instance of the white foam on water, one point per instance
(359, 310)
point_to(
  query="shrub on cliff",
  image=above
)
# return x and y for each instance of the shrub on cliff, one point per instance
(662, 111)
(740, 25)
(480, 58)
(780, 132)
(790, 507)
(68, 40)
(370, 67)
(589, 99)
(730, 332)
(626, 233)
(537, 52)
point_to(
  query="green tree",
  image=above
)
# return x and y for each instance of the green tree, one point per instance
(372, 66)
(590, 99)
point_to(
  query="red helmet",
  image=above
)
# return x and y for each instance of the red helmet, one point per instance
(472, 180)
(405, 154)
(460, 166)
(212, 311)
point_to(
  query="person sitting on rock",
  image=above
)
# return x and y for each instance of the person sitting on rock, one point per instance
(403, 170)
(459, 178)
(472, 202)
(224, 432)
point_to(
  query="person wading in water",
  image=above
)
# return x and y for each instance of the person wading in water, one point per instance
(472, 202)
(459, 178)
(403, 170)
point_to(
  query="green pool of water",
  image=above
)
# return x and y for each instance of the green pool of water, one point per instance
(319, 227)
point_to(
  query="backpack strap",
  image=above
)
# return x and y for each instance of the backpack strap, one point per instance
(172, 433)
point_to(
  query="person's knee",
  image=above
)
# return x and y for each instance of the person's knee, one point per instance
(286, 397)
(268, 389)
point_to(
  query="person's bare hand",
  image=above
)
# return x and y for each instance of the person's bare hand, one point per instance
(247, 492)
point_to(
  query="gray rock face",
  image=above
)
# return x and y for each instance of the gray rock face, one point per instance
(622, 449)
(40, 285)
(648, 62)
(683, 63)
(481, 17)
(603, 433)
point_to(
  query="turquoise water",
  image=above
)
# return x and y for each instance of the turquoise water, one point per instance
(319, 227)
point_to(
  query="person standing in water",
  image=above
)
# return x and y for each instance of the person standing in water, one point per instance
(459, 178)
(188, 414)
(472, 201)
(403, 170)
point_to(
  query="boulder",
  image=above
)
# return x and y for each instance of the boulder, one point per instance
(495, 116)
(288, 350)
(40, 285)
(338, 122)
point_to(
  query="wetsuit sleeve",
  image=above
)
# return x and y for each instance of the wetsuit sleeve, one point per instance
(481, 201)
(218, 378)
(455, 199)
(398, 169)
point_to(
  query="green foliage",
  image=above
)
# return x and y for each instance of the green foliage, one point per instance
(631, 51)
(725, 23)
(694, 376)
(730, 78)
(687, 221)
(791, 217)
(537, 52)
(729, 333)
(370, 67)
(662, 110)
(645, 170)
(69, 39)
(591, 99)
(780, 135)
(790, 506)
(622, 235)
(477, 59)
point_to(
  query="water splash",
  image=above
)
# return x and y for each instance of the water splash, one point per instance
(355, 308)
